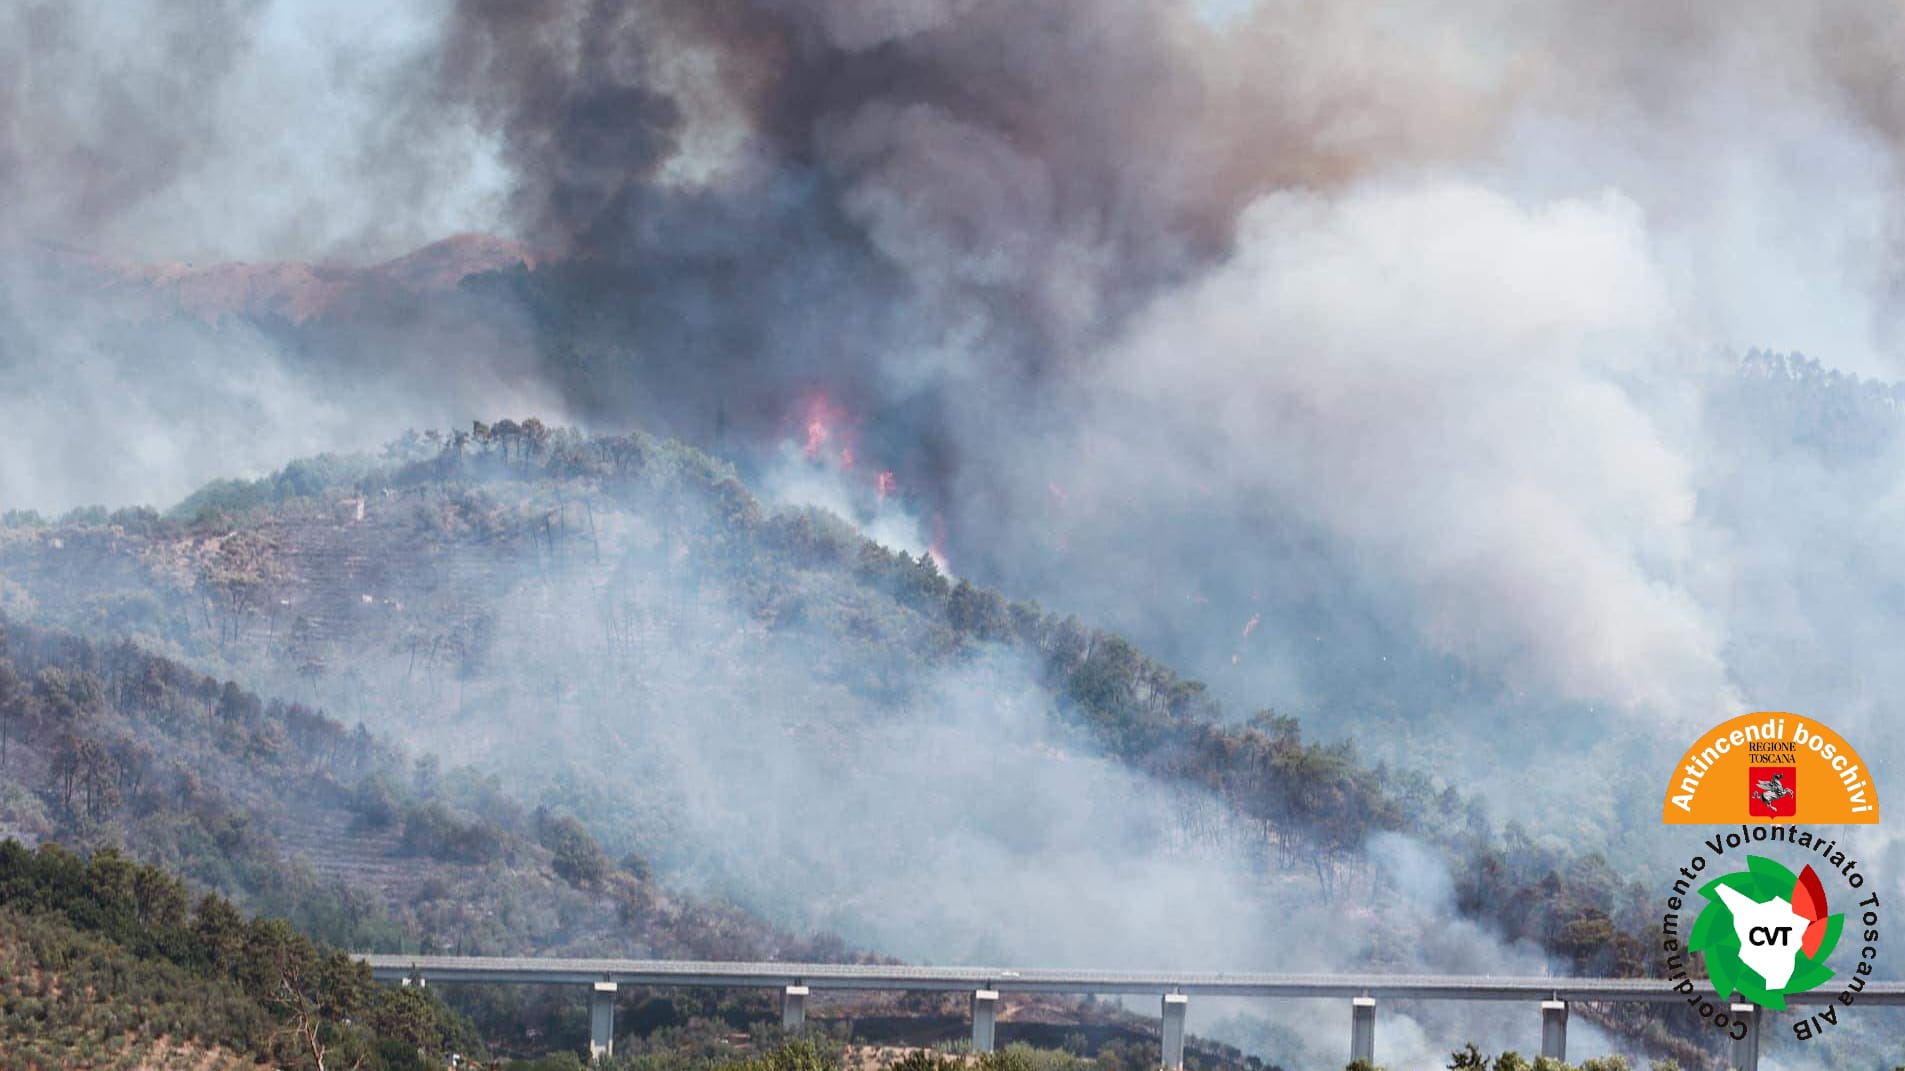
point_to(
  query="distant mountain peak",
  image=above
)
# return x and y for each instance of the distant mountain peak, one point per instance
(448, 261)
(297, 290)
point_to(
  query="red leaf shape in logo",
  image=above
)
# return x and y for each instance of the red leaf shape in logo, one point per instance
(1809, 897)
(1809, 902)
(1815, 933)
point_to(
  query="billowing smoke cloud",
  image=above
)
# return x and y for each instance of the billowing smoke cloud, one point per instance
(1349, 355)
(227, 129)
(137, 139)
(928, 210)
(1433, 377)
(126, 401)
(1368, 358)
(944, 813)
(1423, 299)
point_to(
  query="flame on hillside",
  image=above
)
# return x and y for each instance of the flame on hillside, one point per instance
(822, 437)
(828, 431)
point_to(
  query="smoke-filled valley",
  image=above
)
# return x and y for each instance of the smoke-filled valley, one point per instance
(775, 713)
(1229, 485)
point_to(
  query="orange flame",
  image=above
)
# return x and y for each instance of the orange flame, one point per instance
(938, 550)
(825, 423)
(830, 437)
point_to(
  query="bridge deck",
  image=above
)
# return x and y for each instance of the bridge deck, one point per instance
(447, 969)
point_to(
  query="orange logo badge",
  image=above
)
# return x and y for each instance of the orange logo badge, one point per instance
(1792, 769)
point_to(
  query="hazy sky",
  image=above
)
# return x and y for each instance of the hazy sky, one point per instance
(1376, 360)
(1158, 290)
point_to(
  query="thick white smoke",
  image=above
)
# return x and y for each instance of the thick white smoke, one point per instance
(1374, 360)
(1437, 376)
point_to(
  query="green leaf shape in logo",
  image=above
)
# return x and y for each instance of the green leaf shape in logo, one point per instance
(1769, 871)
(1714, 936)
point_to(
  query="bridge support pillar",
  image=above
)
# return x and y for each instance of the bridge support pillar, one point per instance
(794, 1008)
(1746, 1049)
(1175, 1005)
(601, 1021)
(1554, 1029)
(985, 1017)
(1362, 1030)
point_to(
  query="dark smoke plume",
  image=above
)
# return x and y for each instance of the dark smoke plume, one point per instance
(1337, 349)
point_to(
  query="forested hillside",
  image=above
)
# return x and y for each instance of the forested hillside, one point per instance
(358, 842)
(576, 626)
(115, 964)
(1165, 485)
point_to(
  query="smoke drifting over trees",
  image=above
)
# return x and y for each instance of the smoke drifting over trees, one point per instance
(982, 227)
(1380, 360)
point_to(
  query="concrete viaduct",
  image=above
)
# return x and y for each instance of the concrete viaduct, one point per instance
(795, 981)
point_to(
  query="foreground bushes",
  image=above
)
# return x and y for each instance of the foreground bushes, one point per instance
(117, 956)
